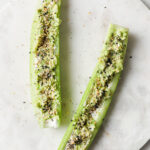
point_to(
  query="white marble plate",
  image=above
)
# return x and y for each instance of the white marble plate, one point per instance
(83, 29)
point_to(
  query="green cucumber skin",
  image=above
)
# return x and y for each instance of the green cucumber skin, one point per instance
(105, 105)
(33, 44)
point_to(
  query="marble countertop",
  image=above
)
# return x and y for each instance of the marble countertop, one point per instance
(83, 30)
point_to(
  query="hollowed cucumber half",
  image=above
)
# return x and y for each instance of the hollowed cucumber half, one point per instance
(45, 64)
(98, 94)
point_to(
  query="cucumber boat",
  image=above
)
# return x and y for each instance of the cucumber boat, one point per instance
(44, 63)
(98, 94)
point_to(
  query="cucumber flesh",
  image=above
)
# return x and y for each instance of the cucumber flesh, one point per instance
(98, 95)
(44, 63)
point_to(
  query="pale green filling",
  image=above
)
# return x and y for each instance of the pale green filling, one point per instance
(110, 64)
(45, 62)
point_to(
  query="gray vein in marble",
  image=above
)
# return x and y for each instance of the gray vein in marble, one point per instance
(146, 3)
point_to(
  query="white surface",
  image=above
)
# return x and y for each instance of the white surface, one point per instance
(83, 29)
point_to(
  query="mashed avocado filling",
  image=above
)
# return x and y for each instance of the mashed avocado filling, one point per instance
(100, 90)
(45, 68)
